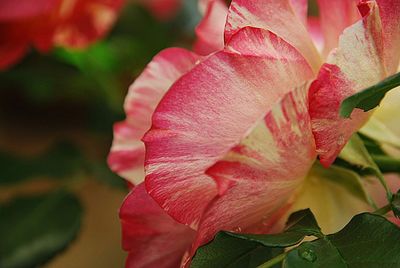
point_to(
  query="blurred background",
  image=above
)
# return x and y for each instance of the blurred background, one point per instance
(58, 199)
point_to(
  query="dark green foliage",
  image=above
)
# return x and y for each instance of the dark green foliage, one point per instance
(34, 229)
(368, 241)
(369, 98)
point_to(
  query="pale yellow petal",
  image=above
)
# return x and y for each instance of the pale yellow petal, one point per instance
(332, 204)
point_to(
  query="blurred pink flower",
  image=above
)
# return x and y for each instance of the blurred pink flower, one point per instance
(162, 9)
(234, 132)
(47, 23)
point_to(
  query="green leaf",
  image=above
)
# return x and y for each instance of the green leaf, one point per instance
(300, 224)
(229, 251)
(369, 98)
(368, 241)
(319, 253)
(241, 250)
(34, 229)
(303, 221)
(61, 161)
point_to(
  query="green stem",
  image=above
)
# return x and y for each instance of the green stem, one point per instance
(274, 260)
(386, 163)
(384, 210)
(381, 178)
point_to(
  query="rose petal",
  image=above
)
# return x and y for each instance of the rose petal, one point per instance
(335, 16)
(152, 238)
(315, 30)
(332, 204)
(277, 17)
(389, 11)
(354, 66)
(209, 110)
(301, 9)
(210, 31)
(127, 153)
(262, 171)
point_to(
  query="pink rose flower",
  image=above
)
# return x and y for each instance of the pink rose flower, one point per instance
(234, 133)
(47, 23)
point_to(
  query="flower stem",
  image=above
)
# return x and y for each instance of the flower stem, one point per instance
(381, 178)
(274, 260)
(384, 210)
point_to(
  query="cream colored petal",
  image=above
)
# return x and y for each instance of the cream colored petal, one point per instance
(332, 204)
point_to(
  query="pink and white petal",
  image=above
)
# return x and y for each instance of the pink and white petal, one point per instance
(354, 66)
(389, 11)
(152, 238)
(251, 41)
(208, 111)
(335, 16)
(210, 31)
(127, 153)
(300, 7)
(277, 17)
(126, 157)
(315, 30)
(262, 172)
(23, 9)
